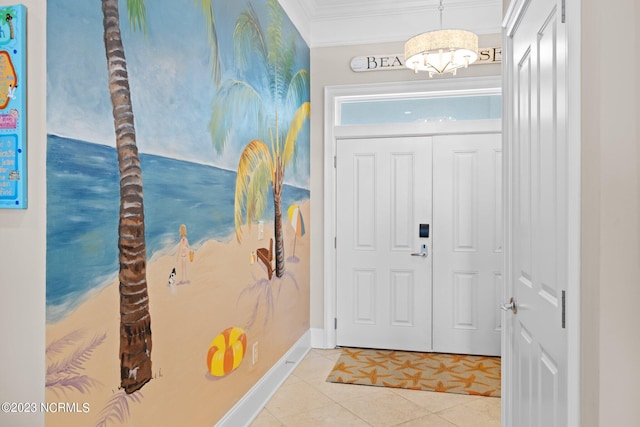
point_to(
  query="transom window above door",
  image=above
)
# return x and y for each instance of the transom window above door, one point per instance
(420, 109)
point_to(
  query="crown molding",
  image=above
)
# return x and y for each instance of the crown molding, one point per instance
(324, 23)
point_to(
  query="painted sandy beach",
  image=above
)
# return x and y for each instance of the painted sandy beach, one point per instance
(227, 290)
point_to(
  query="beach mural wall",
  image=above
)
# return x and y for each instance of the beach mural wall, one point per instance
(177, 206)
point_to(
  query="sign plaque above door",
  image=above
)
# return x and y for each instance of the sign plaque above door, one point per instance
(386, 62)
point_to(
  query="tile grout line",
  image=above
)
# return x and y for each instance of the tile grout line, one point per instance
(339, 403)
(333, 402)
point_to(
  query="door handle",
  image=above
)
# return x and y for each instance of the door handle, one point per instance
(513, 306)
(424, 251)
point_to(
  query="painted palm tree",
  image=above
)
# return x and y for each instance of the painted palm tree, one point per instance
(276, 100)
(6, 17)
(135, 320)
(209, 16)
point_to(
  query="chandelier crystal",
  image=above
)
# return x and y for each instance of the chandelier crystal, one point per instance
(441, 51)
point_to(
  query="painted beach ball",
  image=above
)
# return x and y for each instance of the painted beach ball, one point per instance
(226, 351)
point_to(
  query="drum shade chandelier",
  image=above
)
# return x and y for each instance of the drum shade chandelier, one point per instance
(441, 51)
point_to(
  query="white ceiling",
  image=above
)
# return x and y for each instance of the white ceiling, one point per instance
(348, 22)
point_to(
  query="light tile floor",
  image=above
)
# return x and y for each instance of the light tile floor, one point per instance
(307, 400)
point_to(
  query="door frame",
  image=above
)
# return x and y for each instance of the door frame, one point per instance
(572, 51)
(334, 96)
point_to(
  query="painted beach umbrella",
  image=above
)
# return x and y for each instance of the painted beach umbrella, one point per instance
(295, 217)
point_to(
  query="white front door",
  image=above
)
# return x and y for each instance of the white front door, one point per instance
(383, 282)
(537, 267)
(467, 243)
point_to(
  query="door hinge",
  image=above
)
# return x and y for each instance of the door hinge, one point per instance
(563, 12)
(335, 161)
(335, 323)
(335, 243)
(564, 309)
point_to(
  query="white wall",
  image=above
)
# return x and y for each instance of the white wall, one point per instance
(610, 213)
(23, 247)
(331, 66)
(590, 237)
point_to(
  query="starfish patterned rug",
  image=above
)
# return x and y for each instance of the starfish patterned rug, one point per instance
(450, 373)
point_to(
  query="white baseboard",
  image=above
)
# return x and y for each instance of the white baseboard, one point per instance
(317, 338)
(252, 403)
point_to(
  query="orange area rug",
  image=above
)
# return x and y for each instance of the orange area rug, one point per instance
(450, 373)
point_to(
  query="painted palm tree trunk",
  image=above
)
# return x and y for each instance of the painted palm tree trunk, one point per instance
(12, 33)
(277, 207)
(135, 321)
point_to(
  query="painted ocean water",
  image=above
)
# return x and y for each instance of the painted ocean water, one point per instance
(82, 213)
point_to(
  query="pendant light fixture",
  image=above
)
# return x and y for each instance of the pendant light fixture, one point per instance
(442, 51)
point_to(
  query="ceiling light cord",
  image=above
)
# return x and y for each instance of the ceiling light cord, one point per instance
(441, 8)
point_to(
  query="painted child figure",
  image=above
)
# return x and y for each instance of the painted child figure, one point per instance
(183, 255)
